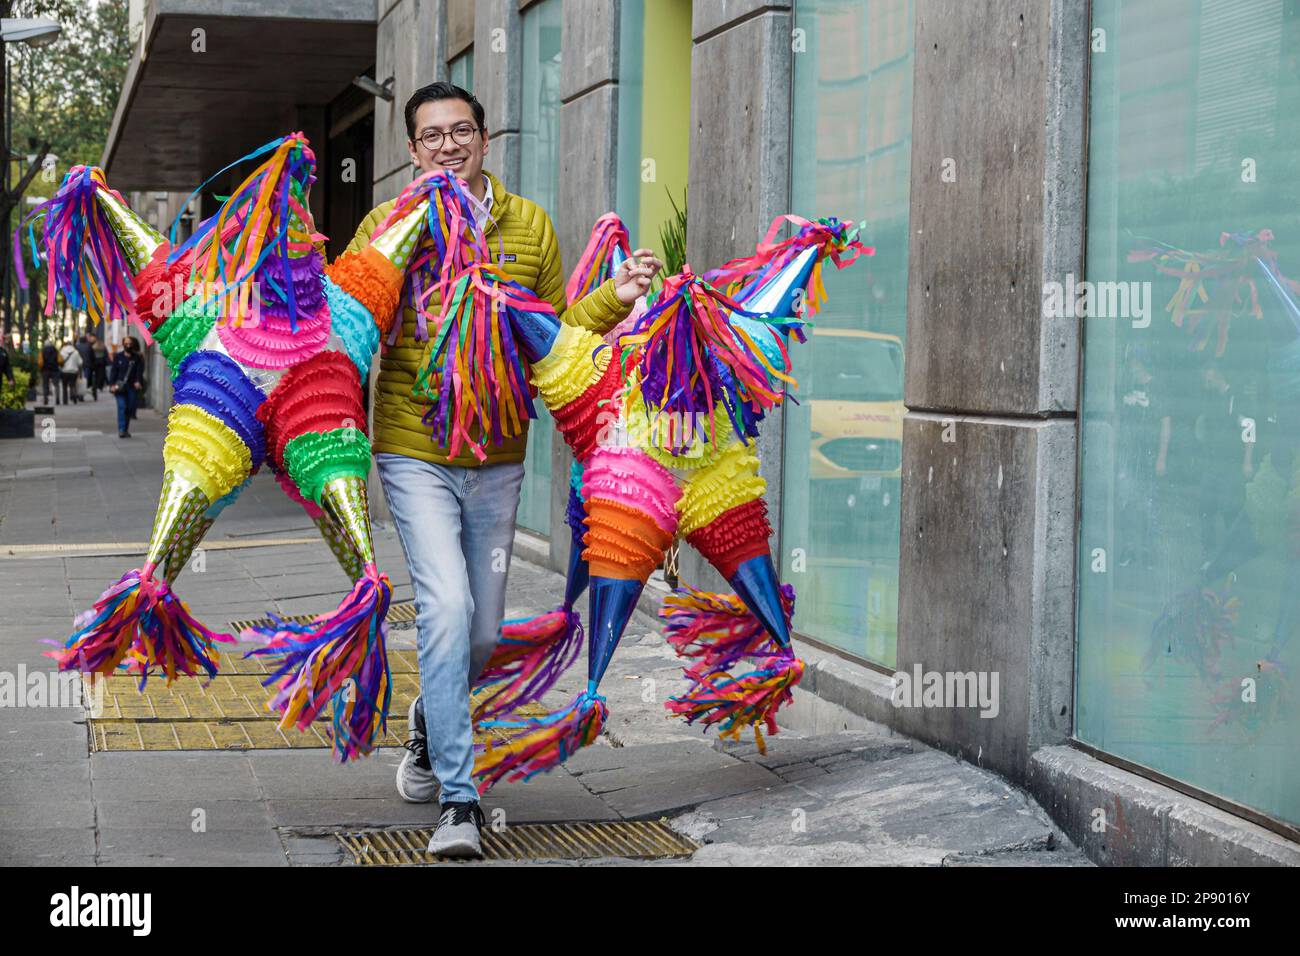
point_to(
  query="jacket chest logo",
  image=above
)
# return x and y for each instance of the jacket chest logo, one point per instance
(506, 257)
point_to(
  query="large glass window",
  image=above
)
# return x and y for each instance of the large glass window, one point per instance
(461, 70)
(1189, 547)
(539, 180)
(851, 156)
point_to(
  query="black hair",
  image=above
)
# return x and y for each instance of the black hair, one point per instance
(440, 91)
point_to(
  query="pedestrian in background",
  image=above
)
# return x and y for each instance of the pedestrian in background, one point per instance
(126, 382)
(50, 370)
(87, 356)
(70, 370)
(98, 365)
(6, 370)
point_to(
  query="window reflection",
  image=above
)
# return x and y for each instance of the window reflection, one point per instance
(843, 440)
(1189, 583)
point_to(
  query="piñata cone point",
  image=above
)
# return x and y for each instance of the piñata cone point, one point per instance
(348, 505)
(137, 238)
(612, 602)
(181, 505)
(755, 582)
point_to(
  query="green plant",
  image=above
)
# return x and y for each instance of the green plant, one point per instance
(672, 239)
(14, 397)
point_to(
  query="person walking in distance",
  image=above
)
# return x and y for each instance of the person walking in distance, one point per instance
(50, 374)
(70, 371)
(126, 382)
(98, 365)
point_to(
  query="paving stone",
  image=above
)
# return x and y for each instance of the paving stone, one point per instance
(53, 810)
(216, 815)
(46, 846)
(656, 779)
(142, 846)
(182, 776)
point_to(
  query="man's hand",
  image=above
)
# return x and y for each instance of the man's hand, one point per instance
(633, 277)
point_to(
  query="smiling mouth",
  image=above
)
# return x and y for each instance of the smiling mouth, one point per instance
(453, 163)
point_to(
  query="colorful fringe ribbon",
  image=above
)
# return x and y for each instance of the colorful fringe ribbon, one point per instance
(271, 221)
(594, 264)
(539, 744)
(457, 242)
(87, 262)
(139, 624)
(1195, 625)
(530, 656)
(834, 239)
(717, 630)
(1233, 266)
(750, 699)
(688, 357)
(476, 378)
(339, 657)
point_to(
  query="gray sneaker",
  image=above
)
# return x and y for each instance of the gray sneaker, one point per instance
(458, 831)
(415, 780)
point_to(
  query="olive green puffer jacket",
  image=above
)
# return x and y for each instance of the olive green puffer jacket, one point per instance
(523, 237)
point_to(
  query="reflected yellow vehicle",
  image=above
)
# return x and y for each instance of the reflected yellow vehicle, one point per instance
(856, 406)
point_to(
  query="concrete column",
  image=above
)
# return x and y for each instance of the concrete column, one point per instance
(989, 446)
(739, 165)
(411, 48)
(588, 176)
(498, 71)
(460, 27)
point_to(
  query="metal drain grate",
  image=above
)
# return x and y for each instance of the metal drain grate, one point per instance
(631, 839)
(227, 713)
(401, 613)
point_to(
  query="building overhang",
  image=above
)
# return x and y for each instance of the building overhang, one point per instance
(211, 80)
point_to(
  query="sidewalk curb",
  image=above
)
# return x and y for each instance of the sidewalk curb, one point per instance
(1143, 823)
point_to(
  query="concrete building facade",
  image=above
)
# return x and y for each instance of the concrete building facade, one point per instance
(988, 170)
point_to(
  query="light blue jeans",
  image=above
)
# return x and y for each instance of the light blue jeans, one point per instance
(457, 527)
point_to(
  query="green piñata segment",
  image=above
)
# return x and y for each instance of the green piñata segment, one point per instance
(184, 330)
(316, 458)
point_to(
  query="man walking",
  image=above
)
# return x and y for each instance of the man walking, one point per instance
(87, 360)
(98, 365)
(456, 516)
(50, 373)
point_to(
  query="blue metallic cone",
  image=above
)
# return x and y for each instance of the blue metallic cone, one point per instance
(612, 603)
(575, 582)
(535, 332)
(775, 295)
(756, 584)
(616, 258)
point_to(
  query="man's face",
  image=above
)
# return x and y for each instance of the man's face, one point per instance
(444, 116)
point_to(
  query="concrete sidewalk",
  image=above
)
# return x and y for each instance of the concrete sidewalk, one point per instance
(868, 796)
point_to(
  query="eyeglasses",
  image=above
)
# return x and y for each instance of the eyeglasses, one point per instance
(460, 135)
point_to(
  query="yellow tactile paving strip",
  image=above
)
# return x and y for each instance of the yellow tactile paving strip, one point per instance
(632, 839)
(227, 713)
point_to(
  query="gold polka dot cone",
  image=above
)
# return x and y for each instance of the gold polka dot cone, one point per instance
(137, 238)
(336, 537)
(397, 243)
(181, 505)
(348, 505)
(174, 563)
